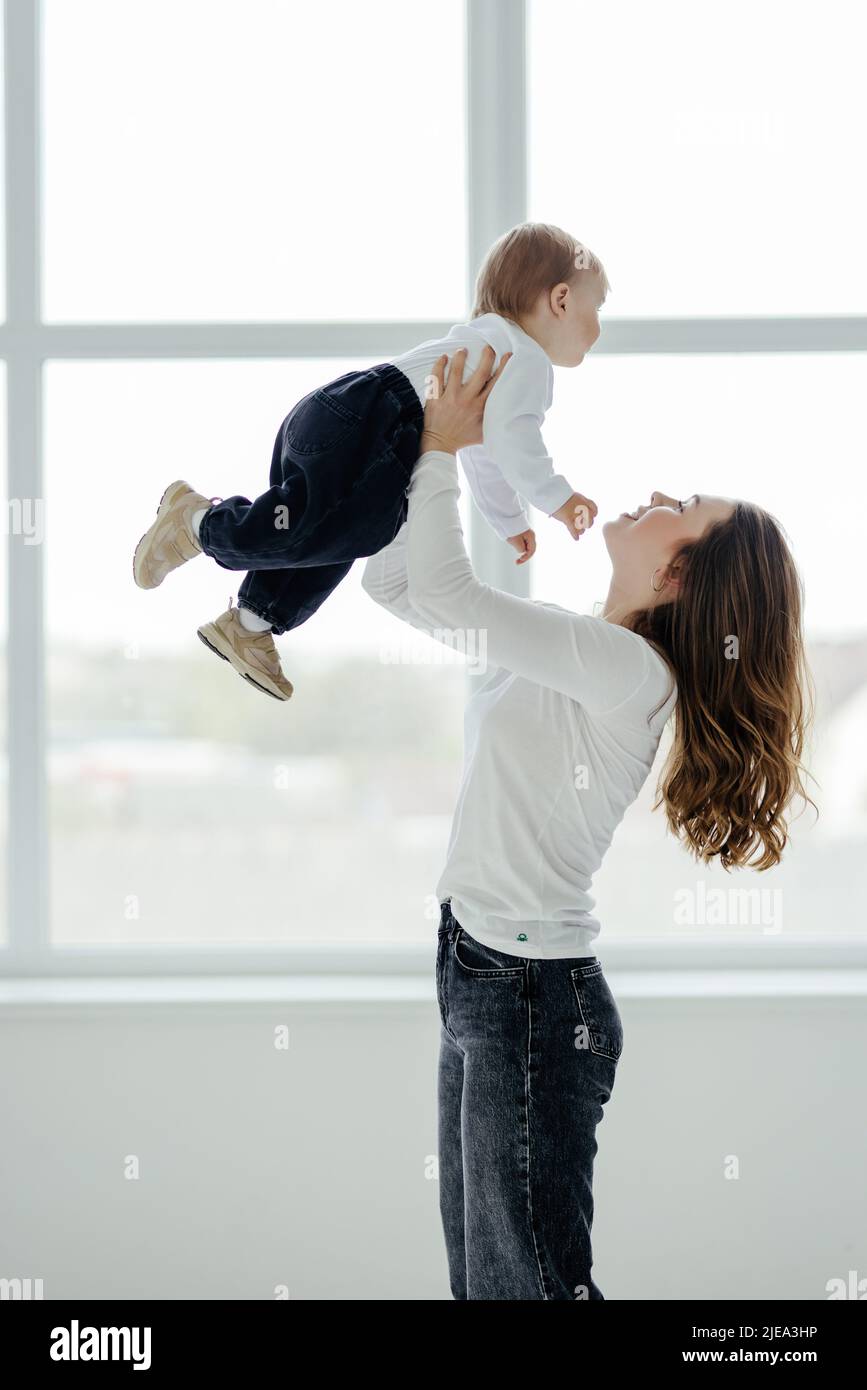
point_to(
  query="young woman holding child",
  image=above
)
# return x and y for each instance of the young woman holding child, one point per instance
(530, 1031)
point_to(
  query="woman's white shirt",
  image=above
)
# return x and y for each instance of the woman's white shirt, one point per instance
(558, 738)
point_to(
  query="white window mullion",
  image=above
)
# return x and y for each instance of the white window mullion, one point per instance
(496, 194)
(202, 341)
(27, 848)
(833, 333)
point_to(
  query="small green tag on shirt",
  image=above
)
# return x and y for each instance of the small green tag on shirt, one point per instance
(522, 936)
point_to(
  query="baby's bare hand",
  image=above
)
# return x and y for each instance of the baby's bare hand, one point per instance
(576, 514)
(525, 544)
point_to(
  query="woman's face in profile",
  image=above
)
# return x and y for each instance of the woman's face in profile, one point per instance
(638, 542)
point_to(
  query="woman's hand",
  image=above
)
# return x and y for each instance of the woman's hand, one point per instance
(454, 409)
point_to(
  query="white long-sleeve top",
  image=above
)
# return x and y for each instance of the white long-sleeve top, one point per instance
(511, 465)
(557, 742)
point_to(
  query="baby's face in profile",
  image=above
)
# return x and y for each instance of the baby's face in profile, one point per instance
(575, 326)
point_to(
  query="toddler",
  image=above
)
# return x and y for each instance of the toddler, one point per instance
(343, 457)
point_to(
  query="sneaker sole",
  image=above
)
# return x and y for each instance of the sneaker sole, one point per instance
(172, 491)
(244, 674)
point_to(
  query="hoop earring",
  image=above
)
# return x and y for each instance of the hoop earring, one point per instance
(653, 586)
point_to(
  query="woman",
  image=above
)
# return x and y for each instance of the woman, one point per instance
(703, 615)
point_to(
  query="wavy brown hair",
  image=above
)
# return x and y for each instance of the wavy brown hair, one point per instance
(733, 639)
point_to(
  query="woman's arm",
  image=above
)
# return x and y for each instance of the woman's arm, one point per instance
(385, 579)
(595, 662)
(385, 576)
(592, 661)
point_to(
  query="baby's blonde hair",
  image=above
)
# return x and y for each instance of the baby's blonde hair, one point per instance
(525, 262)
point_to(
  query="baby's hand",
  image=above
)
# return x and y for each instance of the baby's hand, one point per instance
(525, 544)
(576, 514)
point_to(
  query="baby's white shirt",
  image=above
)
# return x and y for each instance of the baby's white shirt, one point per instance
(512, 465)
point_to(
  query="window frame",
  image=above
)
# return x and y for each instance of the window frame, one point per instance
(496, 110)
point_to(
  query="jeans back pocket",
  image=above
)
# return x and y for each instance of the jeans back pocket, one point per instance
(319, 423)
(601, 1026)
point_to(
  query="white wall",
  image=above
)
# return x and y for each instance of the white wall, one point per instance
(307, 1167)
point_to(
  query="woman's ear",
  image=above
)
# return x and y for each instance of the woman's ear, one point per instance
(674, 575)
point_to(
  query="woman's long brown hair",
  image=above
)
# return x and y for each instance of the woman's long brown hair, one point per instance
(733, 639)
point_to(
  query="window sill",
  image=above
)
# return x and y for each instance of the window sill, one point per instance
(64, 994)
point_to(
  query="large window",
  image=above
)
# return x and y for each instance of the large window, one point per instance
(214, 206)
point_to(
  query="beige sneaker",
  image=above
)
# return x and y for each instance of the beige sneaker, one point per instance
(253, 654)
(171, 540)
